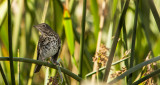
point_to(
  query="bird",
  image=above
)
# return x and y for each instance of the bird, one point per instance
(49, 45)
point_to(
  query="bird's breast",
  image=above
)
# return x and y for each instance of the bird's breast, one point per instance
(50, 47)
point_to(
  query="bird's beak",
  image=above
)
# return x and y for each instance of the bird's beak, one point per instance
(35, 26)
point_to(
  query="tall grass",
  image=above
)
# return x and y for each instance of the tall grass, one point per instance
(10, 43)
(128, 30)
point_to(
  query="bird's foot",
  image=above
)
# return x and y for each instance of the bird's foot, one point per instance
(55, 63)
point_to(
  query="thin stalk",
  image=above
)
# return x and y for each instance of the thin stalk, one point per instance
(46, 76)
(86, 52)
(27, 60)
(95, 66)
(32, 68)
(146, 34)
(154, 12)
(10, 43)
(133, 69)
(125, 42)
(65, 76)
(125, 37)
(146, 77)
(113, 48)
(3, 75)
(18, 69)
(102, 68)
(82, 37)
(133, 42)
(45, 11)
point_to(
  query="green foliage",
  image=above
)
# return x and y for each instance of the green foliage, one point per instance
(69, 31)
(130, 32)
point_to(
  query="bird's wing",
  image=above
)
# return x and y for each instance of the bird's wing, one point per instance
(54, 57)
(38, 67)
(39, 47)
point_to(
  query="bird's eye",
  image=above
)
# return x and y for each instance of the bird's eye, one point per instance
(44, 25)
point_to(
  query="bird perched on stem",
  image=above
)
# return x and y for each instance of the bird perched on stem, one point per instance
(49, 45)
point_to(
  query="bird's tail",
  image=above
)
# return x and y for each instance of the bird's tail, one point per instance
(37, 68)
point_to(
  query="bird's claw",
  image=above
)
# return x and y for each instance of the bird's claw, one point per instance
(56, 63)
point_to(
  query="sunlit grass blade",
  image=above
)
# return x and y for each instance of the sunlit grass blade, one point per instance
(72, 6)
(108, 43)
(46, 76)
(45, 11)
(69, 31)
(16, 25)
(32, 68)
(69, 35)
(3, 11)
(133, 69)
(154, 12)
(4, 37)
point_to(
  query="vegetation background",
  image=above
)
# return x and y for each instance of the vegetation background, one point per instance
(94, 34)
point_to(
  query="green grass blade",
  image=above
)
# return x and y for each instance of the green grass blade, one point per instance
(10, 43)
(57, 16)
(69, 31)
(148, 39)
(146, 77)
(82, 38)
(113, 48)
(133, 69)
(4, 35)
(69, 35)
(114, 8)
(124, 39)
(133, 42)
(96, 19)
(3, 75)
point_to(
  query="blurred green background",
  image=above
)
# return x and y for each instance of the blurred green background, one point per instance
(65, 17)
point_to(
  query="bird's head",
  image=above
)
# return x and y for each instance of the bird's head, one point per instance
(43, 28)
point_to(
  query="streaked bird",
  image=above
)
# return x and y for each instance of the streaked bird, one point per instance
(49, 45)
